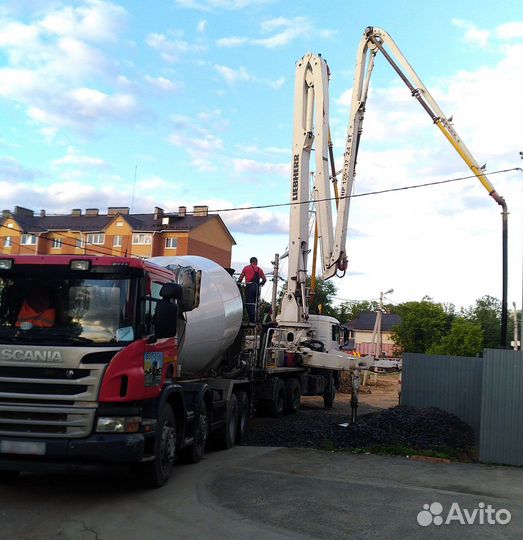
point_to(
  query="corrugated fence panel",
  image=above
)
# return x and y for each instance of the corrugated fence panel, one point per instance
(451, 383)
(501, 436)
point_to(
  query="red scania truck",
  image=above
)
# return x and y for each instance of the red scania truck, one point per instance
(138, 363)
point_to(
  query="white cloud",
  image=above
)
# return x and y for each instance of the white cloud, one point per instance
(509, 31)
(283, 30)
(212, 5)
(201, 26)
(172, 50)
(199, 142)
(163, 84)
(11, 170)
(473, 34)
(50, 60)
(250, 166)
(75, 159)
(278, 83)
(99, 21)
(232, 41)
(231, 75)
(256, 222)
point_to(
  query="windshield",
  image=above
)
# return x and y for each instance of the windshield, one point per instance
(45, 307)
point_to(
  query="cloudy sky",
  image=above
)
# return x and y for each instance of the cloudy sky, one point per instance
(195, 97)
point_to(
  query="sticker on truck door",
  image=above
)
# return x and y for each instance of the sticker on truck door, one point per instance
(152, 368)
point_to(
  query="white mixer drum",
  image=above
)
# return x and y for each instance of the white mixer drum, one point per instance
(214, 324)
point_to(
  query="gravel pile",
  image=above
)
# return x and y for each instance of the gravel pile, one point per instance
(422, 429)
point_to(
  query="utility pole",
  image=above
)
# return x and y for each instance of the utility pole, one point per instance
(276, 265)
(515, 316)
(376, 333)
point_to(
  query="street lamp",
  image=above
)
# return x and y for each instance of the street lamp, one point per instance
(376, 333)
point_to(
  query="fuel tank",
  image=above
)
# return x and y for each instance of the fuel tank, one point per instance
(212, 326)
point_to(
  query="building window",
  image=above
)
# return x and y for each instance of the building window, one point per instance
(80, 243)
(57, 243)
(8, 241)
(28, 240)
(140, 238)
(117, 241)
(97, 239)
(10, 225)
(171, 243)
(119, 223)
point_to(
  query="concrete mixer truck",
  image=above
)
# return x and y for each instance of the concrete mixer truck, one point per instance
(137, 363)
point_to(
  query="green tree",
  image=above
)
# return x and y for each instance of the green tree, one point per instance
(465, 339)
(487, 313)
(348, 311)
(324, 296)
(422, 325)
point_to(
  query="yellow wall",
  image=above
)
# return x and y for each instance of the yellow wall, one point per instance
(10, 228)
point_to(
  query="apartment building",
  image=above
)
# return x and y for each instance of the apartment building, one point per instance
(117, 232)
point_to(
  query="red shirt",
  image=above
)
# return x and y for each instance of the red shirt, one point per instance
(250, 274)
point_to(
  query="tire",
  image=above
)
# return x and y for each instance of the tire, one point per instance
(195, 452)
(225, 436)
(293, 395)
(244, 414)
(329, 394)
(276, 406)
(8, 476)
(156, 473)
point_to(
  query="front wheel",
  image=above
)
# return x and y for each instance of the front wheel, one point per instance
(156, 473)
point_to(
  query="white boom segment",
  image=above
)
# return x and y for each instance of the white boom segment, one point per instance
(311, 115)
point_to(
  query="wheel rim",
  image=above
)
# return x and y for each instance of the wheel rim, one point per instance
(167, 446)
(204, 430)
(280, 401)
(233, 423)
(296, 398)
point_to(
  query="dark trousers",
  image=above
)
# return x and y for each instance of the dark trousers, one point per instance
(251, 300)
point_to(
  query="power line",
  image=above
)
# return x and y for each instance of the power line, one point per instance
(378, 192)
(108, 251)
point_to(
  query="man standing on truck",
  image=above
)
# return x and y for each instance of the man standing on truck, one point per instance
(254, 279)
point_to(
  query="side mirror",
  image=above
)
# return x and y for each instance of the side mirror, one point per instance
(165, 318)
(171, 291)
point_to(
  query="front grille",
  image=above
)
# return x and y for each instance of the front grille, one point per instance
(32, 388)
(24, 372)
(42, 401)
(53, 422)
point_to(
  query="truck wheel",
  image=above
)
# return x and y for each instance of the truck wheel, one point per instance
(8, 476)
(276, 406)
(195, 452)
(293, 395)
(225, 436)
(156, 472)
(244, 414)
(329, 394)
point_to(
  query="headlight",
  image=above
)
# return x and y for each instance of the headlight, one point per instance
(118, 424)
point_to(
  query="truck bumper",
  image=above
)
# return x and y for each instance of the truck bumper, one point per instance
(97, 452)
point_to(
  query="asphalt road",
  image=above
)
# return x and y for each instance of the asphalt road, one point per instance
(266, 493)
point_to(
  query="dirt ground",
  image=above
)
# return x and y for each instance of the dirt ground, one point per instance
(380, 392)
